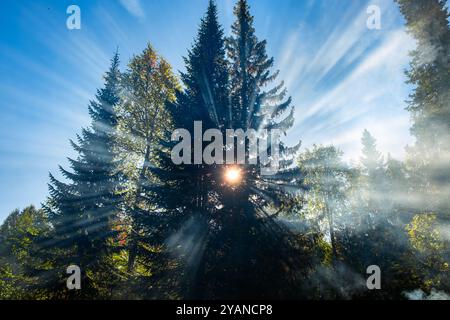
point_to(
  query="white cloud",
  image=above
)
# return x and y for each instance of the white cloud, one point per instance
(133, 7)
(392, 54)
(370, 97)
(350, 80)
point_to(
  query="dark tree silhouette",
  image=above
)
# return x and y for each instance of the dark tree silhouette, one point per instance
(81, 211)
(228, 237)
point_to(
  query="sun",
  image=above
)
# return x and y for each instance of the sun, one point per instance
(233, 175)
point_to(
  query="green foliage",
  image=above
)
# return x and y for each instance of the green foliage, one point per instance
(83, 209)
(19, 243)
(429, 73)
(429, 247)
(148, 85)
(232, 227)
(141, 227)
(424, 234)
(327, 180)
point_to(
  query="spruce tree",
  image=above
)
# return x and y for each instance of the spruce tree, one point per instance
(429, 105)
(371, 179)
(259, 105)
(187, 194)
(225, 233)
(371, 159)
(256, 105)
(250, 72)
(81, 210)
(427, 21)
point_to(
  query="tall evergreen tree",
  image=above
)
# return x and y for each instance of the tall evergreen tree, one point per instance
(250, 71)
(256, 105)
(371, 159)
(186, 193)
(429, 105)
(81, 210)
(233, 227)
(371, 179)
(429, 159)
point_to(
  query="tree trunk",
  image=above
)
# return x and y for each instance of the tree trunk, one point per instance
(132, 254)
(332, 234)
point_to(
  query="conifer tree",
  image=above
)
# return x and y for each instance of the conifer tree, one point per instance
(427, 22)
(428, 160)
(371, 159)
(187, 194)
(81, 210)
(232, 226)
(371, 179)
(250, 72)
(429, 105)
(256, 105)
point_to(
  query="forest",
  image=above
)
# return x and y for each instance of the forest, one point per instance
(141, 227)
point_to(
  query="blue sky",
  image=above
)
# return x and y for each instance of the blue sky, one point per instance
(342, 76)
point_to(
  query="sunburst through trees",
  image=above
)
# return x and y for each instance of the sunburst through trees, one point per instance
(147, 216)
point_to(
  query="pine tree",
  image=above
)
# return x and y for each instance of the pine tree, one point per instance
(371, 159)
(233, 227)
(427, 22)
(250, 74)
(254, 104)
(429, 105)
(184, 192)
(372, 178)
(82, 210)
